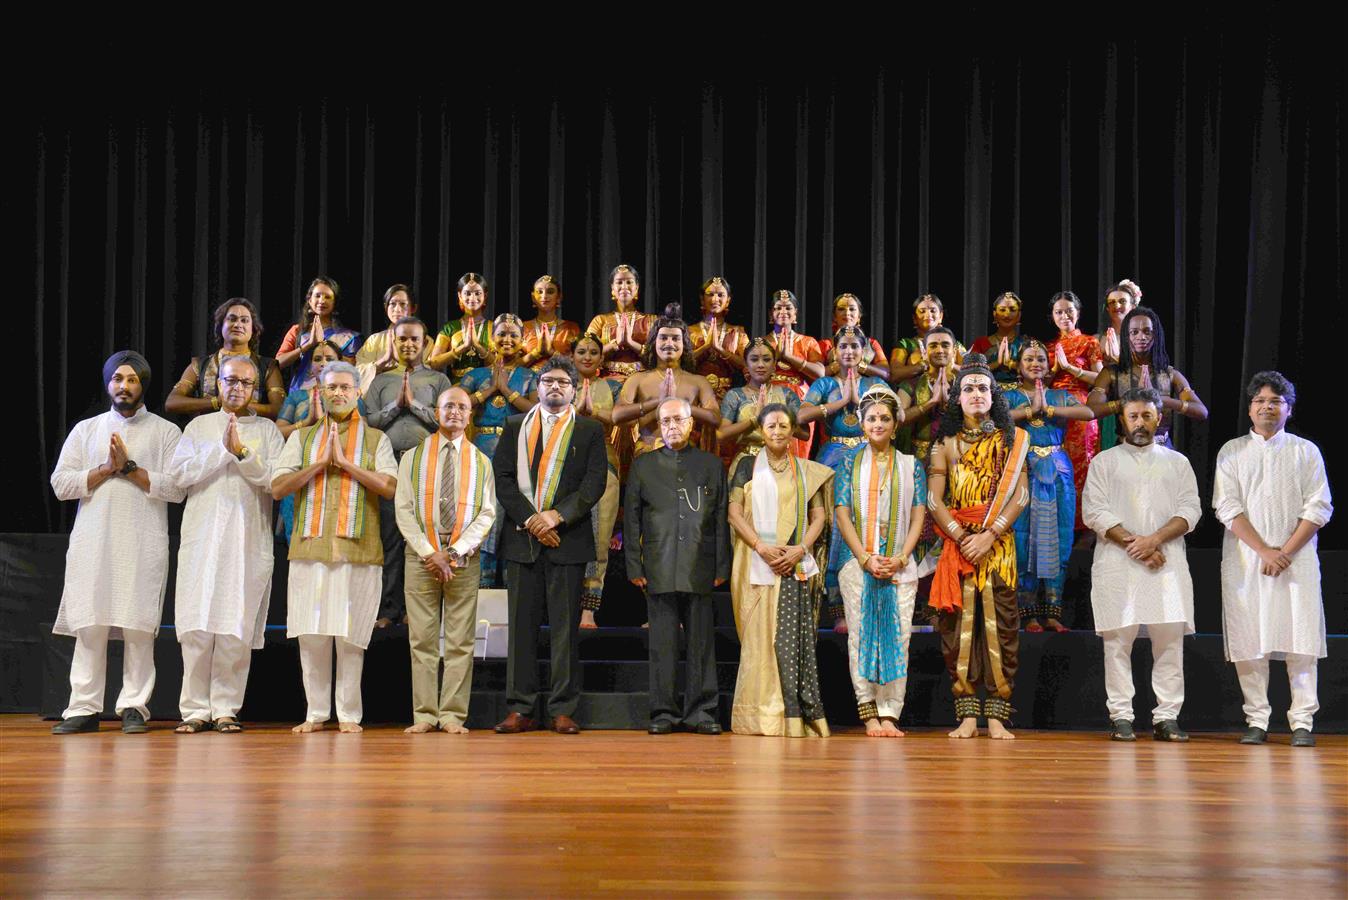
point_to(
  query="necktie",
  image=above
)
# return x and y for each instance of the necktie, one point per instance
(449, 491)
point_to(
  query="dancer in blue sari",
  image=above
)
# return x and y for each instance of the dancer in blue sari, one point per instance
(1044, 532)
(498, 392)
(836, 400)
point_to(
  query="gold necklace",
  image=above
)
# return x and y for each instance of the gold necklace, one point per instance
(786, 464)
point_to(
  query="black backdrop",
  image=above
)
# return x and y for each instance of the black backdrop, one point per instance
(1203, 159)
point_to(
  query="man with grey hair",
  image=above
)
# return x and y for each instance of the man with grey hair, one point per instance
(1141, 499)
(340, 467)
(1272, 494)
(677, 544)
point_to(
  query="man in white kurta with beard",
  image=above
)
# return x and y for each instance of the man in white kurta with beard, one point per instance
(118, 465)
(1272, 494)
(224, 461)
(338, 468)
(1141, 498)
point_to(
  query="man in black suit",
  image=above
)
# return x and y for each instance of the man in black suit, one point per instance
(678, 548)
(551, 469)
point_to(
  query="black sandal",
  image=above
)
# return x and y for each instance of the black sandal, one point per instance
(228, 726)
(192, 726)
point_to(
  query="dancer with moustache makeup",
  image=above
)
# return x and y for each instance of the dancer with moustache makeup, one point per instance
(678, 552)
(595, 400)
(119, 465)
(339, 467)
(879, 505)
(836, 401)
(740, 408)
(923, 397)
(379, 353)
(551, 470)
(1272, 495)
(465, 344)
(1141, 499)
(237, 330)
(548, 333)
(224, 462)
(908, 359)
(847, 311)
(1146, 364)
(1120, 300)
(1002, 347)
(446, 505)
(976, 489)
(402, 407)
(779, 513)
(319, 321)
(1044, 533)
(499, 391)
(799, 359)
(667, 363)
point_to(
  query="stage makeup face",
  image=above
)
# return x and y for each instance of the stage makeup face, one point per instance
(472, 298)
(237, 329)
(976, 395)
(624, 290)
(409, 340)
(878, 423)
(927, 315)
(783, 313)
(760, 363)
(1034, 362)
(546, 295)
(1140, 421)
(715, 299)
(1065, 315)
(668, 345)
(587, 355)
(849, 352)
(846, 311)
(1118, 304)
(125, 390)
(507, 338)
(1007, 312)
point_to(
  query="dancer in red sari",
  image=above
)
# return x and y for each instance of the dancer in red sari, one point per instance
(799, 359)
(1076, 360)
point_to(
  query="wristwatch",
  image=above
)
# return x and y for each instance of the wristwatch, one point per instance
(128, 467)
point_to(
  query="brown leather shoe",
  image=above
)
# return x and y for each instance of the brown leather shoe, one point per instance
(515, 723)
(565, 725)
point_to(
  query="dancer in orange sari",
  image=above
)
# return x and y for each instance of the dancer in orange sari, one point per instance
(718, 352)
(799, 359)
(548, 333)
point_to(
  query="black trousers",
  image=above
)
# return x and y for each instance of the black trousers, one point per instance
(392, 603)
(533, 587)
(696, 613)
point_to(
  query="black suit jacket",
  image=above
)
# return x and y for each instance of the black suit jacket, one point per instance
(584, 476)
(665, 540)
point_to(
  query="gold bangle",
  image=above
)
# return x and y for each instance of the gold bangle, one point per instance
(477, 395)
(1184, 407)
(215, 402)
(1049, 411)
(513, 396)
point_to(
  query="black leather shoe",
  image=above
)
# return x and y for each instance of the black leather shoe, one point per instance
(76, 725)
(1168, 730)
(1254, 735)
(1123, 731)
(133, 722)
(708, 728)
(1302, 737)
(661, 726)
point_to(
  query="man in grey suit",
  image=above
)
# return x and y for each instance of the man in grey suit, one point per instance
(678, 549)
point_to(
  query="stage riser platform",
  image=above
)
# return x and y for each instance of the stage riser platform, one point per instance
(1060, 684)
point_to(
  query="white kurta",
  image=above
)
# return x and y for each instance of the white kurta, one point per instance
(117, 562)
(1140, 488)
(225, 558)
(1273, 483)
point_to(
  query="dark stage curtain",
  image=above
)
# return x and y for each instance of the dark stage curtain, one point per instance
(1205, 165)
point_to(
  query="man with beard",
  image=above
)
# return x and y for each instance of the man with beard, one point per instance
(678, 550)
(224, 463)
(551, 469)
(1141, 498)
(980, 457)
(118, 465)
(1272, 495)
(339, 466)
(923, 397)
(667, 361)
(402, 406)
(446, 504)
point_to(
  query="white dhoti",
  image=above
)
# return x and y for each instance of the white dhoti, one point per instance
(332, 604)
(1167, 670)
(89, 671)
(215, 674)
(887, 697)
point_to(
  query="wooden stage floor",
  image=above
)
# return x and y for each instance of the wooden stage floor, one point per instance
(270, 814)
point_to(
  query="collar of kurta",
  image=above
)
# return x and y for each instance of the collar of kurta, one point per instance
(1268, 442)
(140, 413)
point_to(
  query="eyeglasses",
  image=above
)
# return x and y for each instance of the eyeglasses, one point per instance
(1274, 402)
(339, 388)
(549, 381)
(673, 420)
(232, 382)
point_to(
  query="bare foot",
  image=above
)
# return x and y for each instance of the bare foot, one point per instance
(587, 619)
(968, 728)
(1055, 625)
(348, 727)
(874, 728)
(890, 728)
(307, 728)
(840, 625)
(1033, 626)
(454, 729)
(419, 728)
(999, 732)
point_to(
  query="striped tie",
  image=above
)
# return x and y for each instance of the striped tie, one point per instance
(449, 491)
